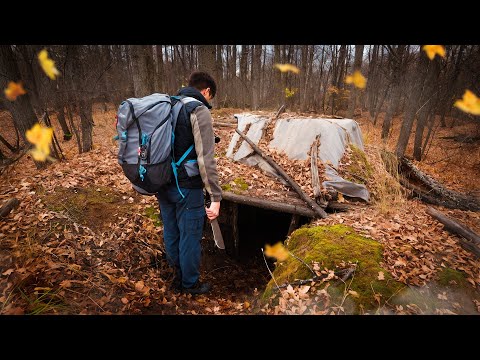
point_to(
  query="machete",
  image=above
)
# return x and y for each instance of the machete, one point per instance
(217, 234)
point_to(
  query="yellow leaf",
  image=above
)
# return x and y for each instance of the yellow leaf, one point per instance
(357, 79)
(287, 67)
(48, 65)
(41, 137)
(470, 103)
(433, 50)
(276, 251)
(14, 90)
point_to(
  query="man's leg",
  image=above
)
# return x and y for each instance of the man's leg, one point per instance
(171, 233)
(190, 216)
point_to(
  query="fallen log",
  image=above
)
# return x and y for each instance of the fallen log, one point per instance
(268, 204)
(318, 210)
(435, 192)
(469, 240)
(9, 206)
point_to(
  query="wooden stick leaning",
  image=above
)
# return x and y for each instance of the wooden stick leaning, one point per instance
(312, 204)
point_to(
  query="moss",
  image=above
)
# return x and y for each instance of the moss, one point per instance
(152, 213)
(94, 206)
(449, 277)
(359, 170)
(330, 246)
(238, 186)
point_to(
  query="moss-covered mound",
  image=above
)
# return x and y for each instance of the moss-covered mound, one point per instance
(359, 169)
(330, 246)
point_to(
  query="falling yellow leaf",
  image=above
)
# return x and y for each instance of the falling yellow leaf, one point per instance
(14, 90)
(41, 137)
(357, 79)
(287, 67)
(433, 50)
(48, 65)
(276, 251)
(470, 103)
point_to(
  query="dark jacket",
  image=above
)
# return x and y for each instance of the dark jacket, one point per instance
(195, 127)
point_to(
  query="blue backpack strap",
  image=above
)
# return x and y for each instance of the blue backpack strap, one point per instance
(175, 165)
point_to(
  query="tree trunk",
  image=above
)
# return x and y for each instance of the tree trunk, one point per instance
(256, 66)
(427, 103)
(412, 105)
(21, 109)
(353, 94)
(86, 121)
(142, 70)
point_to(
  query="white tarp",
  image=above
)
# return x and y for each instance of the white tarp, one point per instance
(295, 138)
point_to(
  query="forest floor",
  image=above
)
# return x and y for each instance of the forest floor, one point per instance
(83, 242)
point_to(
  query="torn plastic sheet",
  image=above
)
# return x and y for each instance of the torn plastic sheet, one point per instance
(343, 186)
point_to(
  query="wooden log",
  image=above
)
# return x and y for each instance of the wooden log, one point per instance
(281, 110)
(454, 226)
(435, 192)
(221, 124)
(317, 189)
(268, 204)
(9, 206)
(312, 204)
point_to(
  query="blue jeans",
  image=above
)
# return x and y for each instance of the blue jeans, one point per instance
(183, 220)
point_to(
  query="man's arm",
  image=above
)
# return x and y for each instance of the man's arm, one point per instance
(204, 138)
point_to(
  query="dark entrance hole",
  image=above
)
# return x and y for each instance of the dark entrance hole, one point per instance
(246, 229)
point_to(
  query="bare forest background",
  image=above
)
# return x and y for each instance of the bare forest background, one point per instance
(402, 81)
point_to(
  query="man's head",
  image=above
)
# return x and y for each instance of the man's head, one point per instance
(204, 83)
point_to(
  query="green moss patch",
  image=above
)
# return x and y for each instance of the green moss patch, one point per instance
(237, 186)
(152, 213)
(331, 246)
(451, 277)
(359, 170)
(94, 206)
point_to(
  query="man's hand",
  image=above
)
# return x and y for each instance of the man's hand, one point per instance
(213, 210)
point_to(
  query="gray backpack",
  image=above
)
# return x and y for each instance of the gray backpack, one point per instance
(145, 128)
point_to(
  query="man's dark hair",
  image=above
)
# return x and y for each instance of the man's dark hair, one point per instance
(202, 80)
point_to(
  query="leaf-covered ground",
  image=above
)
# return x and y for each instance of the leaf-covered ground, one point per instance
(83, 242)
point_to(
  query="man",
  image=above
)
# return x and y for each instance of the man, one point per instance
(182, 205)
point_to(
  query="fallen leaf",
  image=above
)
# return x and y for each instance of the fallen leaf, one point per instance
(353, 293)
(124, 300)
(341, 199)
(381, 275)
(139, 286)
(8, 272)
(65, 284)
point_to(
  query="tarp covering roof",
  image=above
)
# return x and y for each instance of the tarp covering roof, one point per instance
(295, 137)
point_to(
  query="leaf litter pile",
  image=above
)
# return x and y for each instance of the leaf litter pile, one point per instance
(83, 242)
